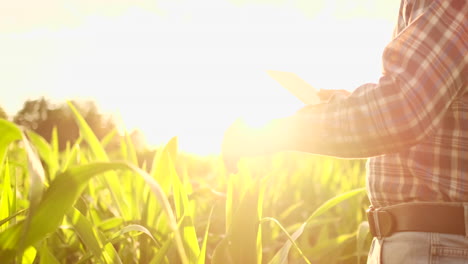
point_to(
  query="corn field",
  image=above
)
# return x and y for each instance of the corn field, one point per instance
(89, 205)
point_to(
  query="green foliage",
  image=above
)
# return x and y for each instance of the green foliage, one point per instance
(44, 117)
(84, 204)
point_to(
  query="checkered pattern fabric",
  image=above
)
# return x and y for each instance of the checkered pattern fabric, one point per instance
(413, 123)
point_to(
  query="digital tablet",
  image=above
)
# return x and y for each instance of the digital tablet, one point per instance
(297, 86)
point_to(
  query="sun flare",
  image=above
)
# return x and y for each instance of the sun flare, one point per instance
(190, 70)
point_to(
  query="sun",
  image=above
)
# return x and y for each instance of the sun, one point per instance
(190, 70)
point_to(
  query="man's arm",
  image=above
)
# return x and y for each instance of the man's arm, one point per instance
(425, 69)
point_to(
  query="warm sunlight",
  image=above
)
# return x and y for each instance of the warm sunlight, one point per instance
(176, 68)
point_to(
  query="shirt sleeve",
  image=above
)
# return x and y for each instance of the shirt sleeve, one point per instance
(424, 70)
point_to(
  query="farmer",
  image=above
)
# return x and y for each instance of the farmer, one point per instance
(413, 127)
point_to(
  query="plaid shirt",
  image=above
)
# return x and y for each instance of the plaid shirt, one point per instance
(412, 124)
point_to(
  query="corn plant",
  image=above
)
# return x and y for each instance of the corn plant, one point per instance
(89, 205)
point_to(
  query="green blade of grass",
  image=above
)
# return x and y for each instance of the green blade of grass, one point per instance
(108, 138)
(132, 186)
(6, 200)
(162, 198)
(112, 182)
(111, 223)
(89, 135)
(10, 132)
(281, 255)
(29, 255)
(282, 258)
(71, 155)
(12, 216)
(92, 238)
(183, 211)
(334, 201)
(153, 212)
(85, 231)
(328, 246)
(36, 175)
(241, 244)
(58, 199)
(36, 190)
(46, 153)
(55, 159)
(131, 152)
(46, 257)
(160, 256)
(133, 228)
(55, 143)
(202, 256)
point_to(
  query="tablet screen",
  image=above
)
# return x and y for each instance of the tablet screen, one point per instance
(297, 86)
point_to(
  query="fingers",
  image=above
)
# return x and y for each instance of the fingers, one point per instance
(324, 95)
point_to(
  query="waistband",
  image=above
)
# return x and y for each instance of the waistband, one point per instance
(448, 218)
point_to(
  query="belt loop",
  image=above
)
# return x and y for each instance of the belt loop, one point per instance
(375, 215)
(465, 206)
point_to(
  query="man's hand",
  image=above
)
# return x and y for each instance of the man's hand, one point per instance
(241, 140)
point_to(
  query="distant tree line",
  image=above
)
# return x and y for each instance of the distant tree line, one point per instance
(41, 116)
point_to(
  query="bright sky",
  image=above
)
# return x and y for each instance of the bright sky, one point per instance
(187, 68)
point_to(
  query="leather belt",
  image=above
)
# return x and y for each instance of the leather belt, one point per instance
(417, 217)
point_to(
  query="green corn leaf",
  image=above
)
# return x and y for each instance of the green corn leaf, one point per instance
(328, 246)
(92, 238)
(202, 256)
(62, 194)
(54, 142)
(132, 186)
(46, 152)
(160, 256)
(131, 152)
(36, 190)
(183, 211)
(242, 243)
(108, 138)
(71, 155)
(282, 258)
(36, 175)
(281, 255)
(133, 228)
(7, 198)
(46, 257)
(172, 148)
(161, 171)
(291, 209)
(111, 223)
(29, 255)
(58, 199)
(162, 198)
(11, 217)
(9, 133)
(334, 201)
(112, 182)
(85, 231)
(89, 135)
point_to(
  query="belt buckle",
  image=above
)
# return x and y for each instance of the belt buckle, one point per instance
(381, 222)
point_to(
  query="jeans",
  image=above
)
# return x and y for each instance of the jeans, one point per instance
(419, 248)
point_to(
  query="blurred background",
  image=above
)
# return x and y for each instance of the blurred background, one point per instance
(177, 67)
